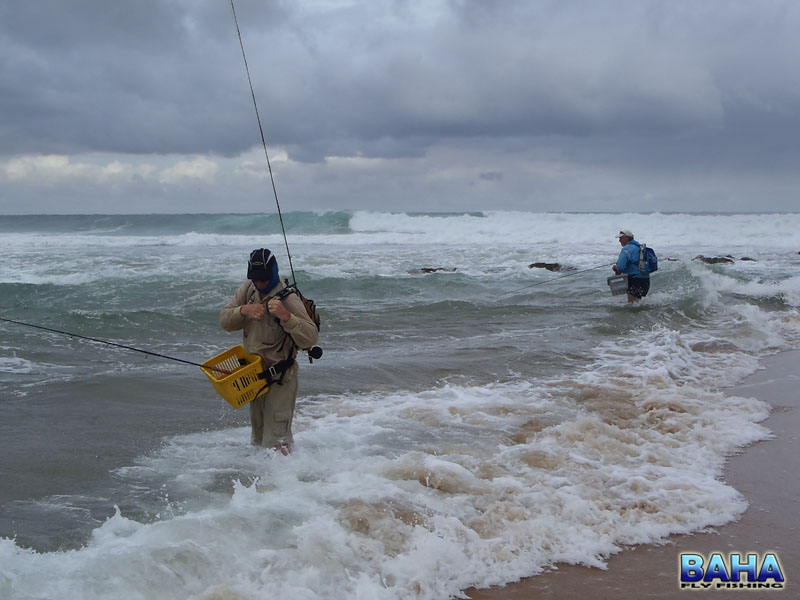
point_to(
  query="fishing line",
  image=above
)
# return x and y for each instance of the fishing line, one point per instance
(91, 339)
(263, 141)
(554, 278)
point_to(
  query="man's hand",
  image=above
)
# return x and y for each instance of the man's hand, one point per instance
(616, 270)
(277, 308)
(254, 311)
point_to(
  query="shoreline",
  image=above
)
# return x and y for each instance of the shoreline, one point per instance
(764, 473)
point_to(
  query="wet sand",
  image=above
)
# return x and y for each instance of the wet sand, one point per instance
(766, 473)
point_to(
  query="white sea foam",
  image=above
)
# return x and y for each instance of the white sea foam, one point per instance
(399, 245)
(14, 364)
(596, 229)
(496, 228)
(405, 495)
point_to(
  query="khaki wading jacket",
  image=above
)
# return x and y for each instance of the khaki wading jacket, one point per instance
(267, 338)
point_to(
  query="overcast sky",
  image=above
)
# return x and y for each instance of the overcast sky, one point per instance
(432, 105)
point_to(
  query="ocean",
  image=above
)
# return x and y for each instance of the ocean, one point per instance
(471, 422)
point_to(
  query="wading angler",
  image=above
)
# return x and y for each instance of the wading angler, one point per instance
(274, 326)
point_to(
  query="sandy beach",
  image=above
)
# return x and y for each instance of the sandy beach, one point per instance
(765, 473)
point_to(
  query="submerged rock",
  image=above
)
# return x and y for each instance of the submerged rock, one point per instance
(714, 260)
(542, 265)
(747, 258)
(437, 269)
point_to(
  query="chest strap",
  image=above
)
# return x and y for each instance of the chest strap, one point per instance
(275, 373)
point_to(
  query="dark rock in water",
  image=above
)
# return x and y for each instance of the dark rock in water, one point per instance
(549, 266)
(714, 260)
(669, 259)
(436, 269)
(747, 258)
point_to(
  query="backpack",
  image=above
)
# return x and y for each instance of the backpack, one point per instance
(310, 305)
(311, 311)
(648, 261)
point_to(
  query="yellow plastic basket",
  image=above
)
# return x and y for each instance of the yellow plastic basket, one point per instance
(234, 374)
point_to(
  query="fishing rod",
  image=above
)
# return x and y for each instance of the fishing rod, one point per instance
(263, 141)
(554, 278)
(91, 339)
(314, 352)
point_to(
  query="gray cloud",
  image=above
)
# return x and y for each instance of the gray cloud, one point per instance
(635, 88)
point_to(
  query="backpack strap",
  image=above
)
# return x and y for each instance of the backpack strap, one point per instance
(280, 295)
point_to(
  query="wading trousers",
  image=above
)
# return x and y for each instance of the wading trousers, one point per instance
(271, 414)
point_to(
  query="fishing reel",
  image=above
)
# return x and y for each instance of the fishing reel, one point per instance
(314, 353)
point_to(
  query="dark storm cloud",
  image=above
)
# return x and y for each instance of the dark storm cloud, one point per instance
(136, 77)
(625, 81)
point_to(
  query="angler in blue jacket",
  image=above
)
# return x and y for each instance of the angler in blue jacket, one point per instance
(628, 264)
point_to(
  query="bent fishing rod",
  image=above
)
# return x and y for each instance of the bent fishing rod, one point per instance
(98, 340)
(263, 141)
(554, 278)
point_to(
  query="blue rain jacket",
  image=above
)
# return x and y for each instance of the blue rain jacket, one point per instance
(628, 261)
